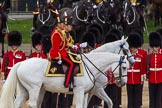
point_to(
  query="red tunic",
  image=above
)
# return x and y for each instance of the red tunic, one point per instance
(144, 54)
(59, 44)
(39, 55)
(155, 70)
(13, 58)
(135, 72)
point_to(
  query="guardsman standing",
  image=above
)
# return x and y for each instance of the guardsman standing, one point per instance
(36, 43)
(143, 52)
(135, 72)
(14, 55)
(155, 71)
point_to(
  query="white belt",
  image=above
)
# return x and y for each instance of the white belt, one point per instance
(9, 67)
(133, 70)
(155, 69)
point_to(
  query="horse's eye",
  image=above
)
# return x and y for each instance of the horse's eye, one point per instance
(124, 68)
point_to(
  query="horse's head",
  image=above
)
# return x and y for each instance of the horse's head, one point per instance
(84, 11)
(120, 71)
(124, 49)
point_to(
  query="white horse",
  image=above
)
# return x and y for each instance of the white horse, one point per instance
(119, 47)
(29, 77)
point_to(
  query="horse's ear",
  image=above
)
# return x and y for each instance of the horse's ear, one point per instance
(122, 37)
(126, 38)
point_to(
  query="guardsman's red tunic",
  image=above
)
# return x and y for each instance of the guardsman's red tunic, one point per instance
(155, 70)
(135, 72)
(13, 58)
(38, 55)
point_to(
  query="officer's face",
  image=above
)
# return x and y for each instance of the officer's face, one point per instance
(61, 25)
(69, 28)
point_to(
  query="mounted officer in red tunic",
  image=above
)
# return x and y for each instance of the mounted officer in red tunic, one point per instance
(58, 51)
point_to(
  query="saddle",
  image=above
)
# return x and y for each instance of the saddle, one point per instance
(56, 70)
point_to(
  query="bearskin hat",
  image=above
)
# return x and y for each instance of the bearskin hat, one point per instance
(14, 38)
(88, 37)
(155, 39)
(139, 32)
(134, 40)
(98, 26)
(36, 38)
(111, 37)
(117, 32)
(96, 33)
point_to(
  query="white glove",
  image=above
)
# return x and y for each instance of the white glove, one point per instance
(59, 62)
(83, 45)
(133, 4)
(74, 47)
(95, 6)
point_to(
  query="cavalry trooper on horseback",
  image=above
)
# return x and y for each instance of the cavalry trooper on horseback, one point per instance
(140, 5)
(61, 43)
(49, 4)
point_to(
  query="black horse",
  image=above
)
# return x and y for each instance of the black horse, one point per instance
(131, 18)
(45, 15)
(3, 24)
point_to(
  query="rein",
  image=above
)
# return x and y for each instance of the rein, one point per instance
(120, 73)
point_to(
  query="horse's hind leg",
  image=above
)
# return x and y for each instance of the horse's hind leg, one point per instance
(21, 96)
(102, 95)
(41, 96)
(33, 96)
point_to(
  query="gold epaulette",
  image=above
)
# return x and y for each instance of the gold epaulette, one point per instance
(35, 13)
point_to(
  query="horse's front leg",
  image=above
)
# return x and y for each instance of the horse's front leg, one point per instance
(85, 100)
(79, 96)
(102, 95)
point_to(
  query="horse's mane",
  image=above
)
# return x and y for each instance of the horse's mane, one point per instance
(108, 46)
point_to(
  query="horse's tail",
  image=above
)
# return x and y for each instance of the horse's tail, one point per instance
(9, 89)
